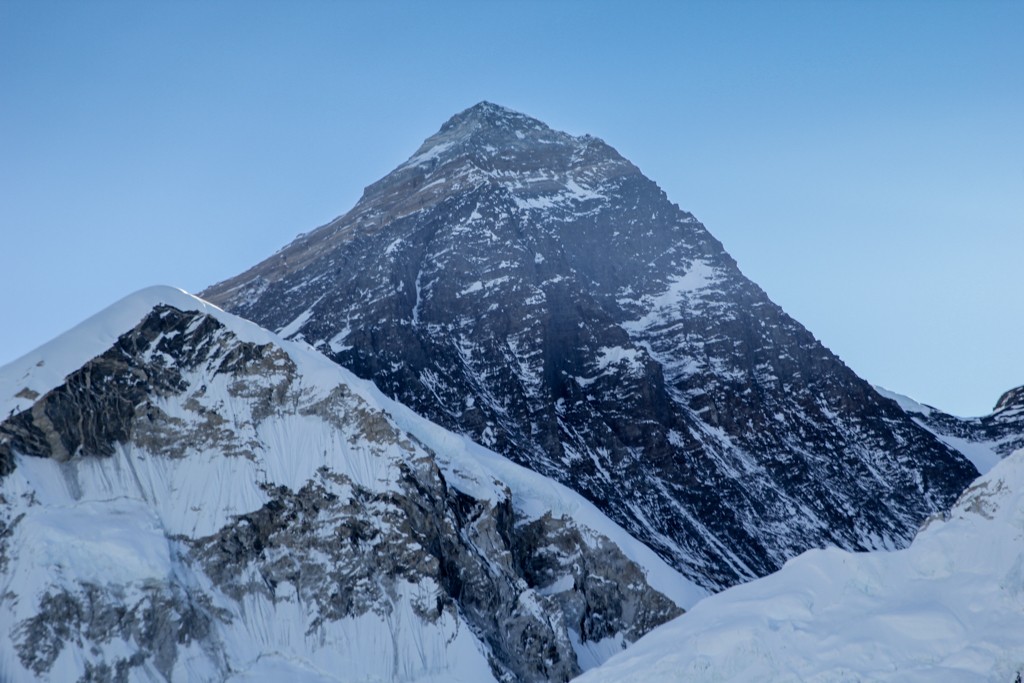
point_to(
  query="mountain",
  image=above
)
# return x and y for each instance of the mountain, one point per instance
(536, 292)
(185, 496)
(948, 608)
(983, 440)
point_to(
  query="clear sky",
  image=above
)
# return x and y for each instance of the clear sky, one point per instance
(863, 161)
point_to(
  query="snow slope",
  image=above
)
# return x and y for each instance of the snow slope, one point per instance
(948, 608)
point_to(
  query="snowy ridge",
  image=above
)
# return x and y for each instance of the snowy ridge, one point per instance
(252, 425)
(948, 608)
(983, 440)
(43, 368)
(474, 469)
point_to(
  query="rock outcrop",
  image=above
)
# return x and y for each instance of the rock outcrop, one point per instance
(206, 500)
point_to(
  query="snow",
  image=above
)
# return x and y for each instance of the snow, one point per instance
(908, 404)
(613, 355)
(294, 326)
(337, 342)
(559, 586)
(590, 654)
(400, 647)
(579, 193)
(680, 288)
(274, 668)
(110, 520)
(479, 285)
(117, 541)
(981, 453)
(540, 202)
(47, 366)
(569, 194)
(948, 608)
(427, 155)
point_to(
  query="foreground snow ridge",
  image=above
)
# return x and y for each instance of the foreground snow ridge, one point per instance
(948, 608)
(210, 502)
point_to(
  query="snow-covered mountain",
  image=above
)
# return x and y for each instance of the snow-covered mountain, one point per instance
(534, 291)
(185, 496)
(948, 608)
(983, 440)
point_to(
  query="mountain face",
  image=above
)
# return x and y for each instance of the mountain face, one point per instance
(534, 291)
(984, 440)
(948, 608)
(185, 496)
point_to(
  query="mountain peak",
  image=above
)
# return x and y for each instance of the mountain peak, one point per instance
(488, 144)
(485, 130)
(1012, 399)
(486, 114)
(535, 291)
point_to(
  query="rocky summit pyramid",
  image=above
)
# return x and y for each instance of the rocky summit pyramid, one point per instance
(535, 291)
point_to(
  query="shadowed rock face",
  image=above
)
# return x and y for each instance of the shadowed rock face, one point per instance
(535, 291)
(181, 387)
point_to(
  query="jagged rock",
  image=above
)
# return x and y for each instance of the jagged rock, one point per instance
(207, 497)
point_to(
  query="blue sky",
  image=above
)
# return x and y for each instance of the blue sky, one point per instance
(863, 161)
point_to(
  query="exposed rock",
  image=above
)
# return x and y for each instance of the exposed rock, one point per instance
(156, 623)
(535, 291)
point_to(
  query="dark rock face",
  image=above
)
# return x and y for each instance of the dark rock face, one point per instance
(535, 291)
(1012, 400)
(182, 385)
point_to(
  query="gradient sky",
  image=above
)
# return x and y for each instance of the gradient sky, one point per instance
(862, 161)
